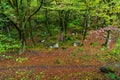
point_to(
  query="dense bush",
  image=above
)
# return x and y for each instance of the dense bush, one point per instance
(117, 47)
(8, 44)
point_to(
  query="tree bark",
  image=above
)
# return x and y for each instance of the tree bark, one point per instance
(87, 23)
(107, 39)
(46, 21)
(31, 34)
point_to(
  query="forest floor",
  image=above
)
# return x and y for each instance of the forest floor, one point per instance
(72, 63)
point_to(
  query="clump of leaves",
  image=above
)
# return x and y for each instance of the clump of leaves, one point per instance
(56, 78)
(112, 76)
(8, 44)
(117, 47)
(81, 49)
(20, 60)
(85, 57)
(112, 55)
(42, 75)
(36, 77)
(39, 76)
(57, 61)
(73, 55)
(103, 48)
(8, 57)
(94, 44)
(64, 47)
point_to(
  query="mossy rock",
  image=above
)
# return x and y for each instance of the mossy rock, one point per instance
(64, 47)
(112, 68)
(107, 69)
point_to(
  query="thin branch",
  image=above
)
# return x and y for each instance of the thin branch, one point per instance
(11, 21)
(35, 11)
(10, 3)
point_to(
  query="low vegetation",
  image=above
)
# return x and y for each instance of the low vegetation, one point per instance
(59, 39)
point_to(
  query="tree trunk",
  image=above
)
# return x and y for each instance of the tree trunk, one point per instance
(107, 39)
(46, 22)
(87, 23)
(66, 20)
(61, 26)
(23, 40)
(31, 34)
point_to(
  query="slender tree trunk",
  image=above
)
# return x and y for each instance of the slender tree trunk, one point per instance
(61, 26)
(31, 34)
(63, 20)
(8, 31)
(66, 20)
(87, 23)
(23, 40)
(22, 34)
(47, 22)
(107, 38)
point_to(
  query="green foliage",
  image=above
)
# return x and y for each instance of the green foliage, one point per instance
(64, 47)
(78, 15)
(73, 55)
(103, 48)
(57, 61)
(85, 57)
(54, 29)
(8, 57)
(112, 55)
(40, 76)
(81, 49)
(112, 76)
(94, 44)
(8, 44)
(20, 60)
(116, 50)
(56, 78)
(36, 77)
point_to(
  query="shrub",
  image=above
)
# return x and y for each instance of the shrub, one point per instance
(8, 44)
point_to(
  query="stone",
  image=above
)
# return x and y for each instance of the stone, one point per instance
(114, 67)
(107, 69)
(56, 45)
